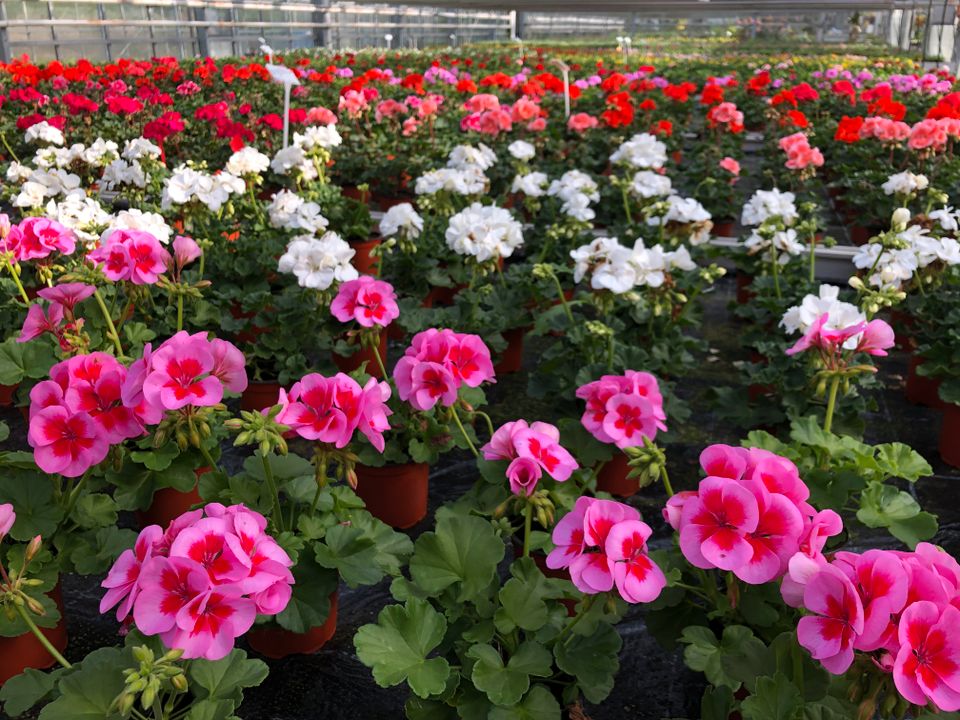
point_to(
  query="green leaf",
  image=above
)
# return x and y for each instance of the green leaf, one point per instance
(96, 551)
(522, 599)
(717, 703)
(775, 698)
(902, 461)
(226, 679)
(22, 692)
(12, 370)
(506, 684)
(539, 704)
(309, 605)
(346, 550)
(88, 692)
(396, 648)
(95, 510)
(211, 710)
(32, 495)
(463, 550)
(592, 660)
(704, 653)
(886, 506)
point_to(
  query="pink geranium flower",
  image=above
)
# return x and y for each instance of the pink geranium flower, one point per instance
(133, 255)
(7, 518)
(39, 322)
(181, 374)
(38, 237)
(637, 577)
(623, 409)
(927, 666)
(581, 122)
(568, 536)
(367, 300)
(331, 409)
(592, 572)
(523, 444)
(830, 634)
(882, 582)
(437, 363)
(67, 294)
(66, 443)
(122, 581)
(714, 526)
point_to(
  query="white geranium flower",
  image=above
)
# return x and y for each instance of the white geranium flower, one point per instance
(44, 132)
(140, 148)
(521, 150)
(641, 151)
(463, 157)
(247, 161)
(905, 183)
(767, 204)
(484, 232)
(134, 219)
(318, 136)
(648, 184)
(401, 218)
(532, 184)
(319, 262)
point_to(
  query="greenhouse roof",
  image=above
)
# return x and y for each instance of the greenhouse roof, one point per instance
(679, 7)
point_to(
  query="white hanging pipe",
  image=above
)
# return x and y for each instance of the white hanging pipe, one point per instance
(286, 114)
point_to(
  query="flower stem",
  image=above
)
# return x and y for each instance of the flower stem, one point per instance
(626, 204)
(463, 431)
(9, 149)
(16, 280)
(487, 419)
(776, 272)
(179, 312)
(209, 458)
(272, 485)
(563, 298)
(527, 522)
(813, 256)
(111, 328)
(584, 609)
(380, 364)
(666, 482)
(831, 403)
(42, 638)
(321, 481)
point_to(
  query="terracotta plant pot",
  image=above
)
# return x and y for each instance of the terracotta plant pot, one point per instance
(349, 363)
(744, 293)
(613, 477)
(169, 504)
(511, 360)
(363, 261)
(950, 435)
(442, 296)
(259, 395)
(276, 643)
(396, 494)
(25, 651)
(860, 235)
(920, 389)
(6, 395)
(723, 228)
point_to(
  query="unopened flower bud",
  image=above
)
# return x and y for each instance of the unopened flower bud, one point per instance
(32, 549)
(179, 682)
(901, 216)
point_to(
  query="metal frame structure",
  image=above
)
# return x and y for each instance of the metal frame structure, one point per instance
(104, 30)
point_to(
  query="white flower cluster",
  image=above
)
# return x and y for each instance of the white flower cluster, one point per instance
(648, 184)
(484, 232)
(469, 180)
(401, 218)
(293, 159)
(85, 216)
(521, 150)
(318, 136)
(620, 269)
(891, 267)
(289, 211)
(641, 151)
(770, 204)
(905, 183)
(532, 184)
(841, 314)
(188, 185)
(464, 157)
(44, 132)
(135, 219)
(785, 242)
(40, 185)
(686, 212)
(318, 262)
(577, 191)
(99, 154)
(247, 161)
(120, 172)
(140, 148)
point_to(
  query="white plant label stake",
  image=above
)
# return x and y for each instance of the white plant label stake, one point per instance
(565, 69)
(288, 78)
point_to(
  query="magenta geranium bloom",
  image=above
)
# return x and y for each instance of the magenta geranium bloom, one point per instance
(39, 322)
(122, 580)
(714, 526)
(927, 666)
(367, 300)
(522, 444)
(38, 237)
(637, 577)
(66, 443)
(622, 410)
(133, 255)
(829, 635)
(437, 363)
(67, 294)
(7, 518)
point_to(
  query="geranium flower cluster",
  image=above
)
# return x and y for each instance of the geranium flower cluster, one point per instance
(185, 370)
(289, 211)
(603, 544)
(643, 151)
(134, 256)
(401, 219)
(78, 413)
(469, 180)
(725, 115)
(622, 410)
(330, 410)
(577, 191)
(620, 269)
(900, 608)
(35, 238)
(833, 326)
(200, 584)
(63, 301)
(800, 154)
(369, 301)
(769, 205)
(916, 249)
(749, 516)
(532, 449)
(484, 232)
(684, 218)
(437, 363)
(318, 263)
(187, 185)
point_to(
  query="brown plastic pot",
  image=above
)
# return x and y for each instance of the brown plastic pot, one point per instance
(349, 363)
(442, 296)
(950, 435)
(511, 360)
(363, 261)
(723, 228)
(613, 477)
(920, 389)
(860, 235)
(25, 651)
(6, 395)
(276, 643)
(396, 494)
(744, 293)
(259, 395)
(168, 504)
